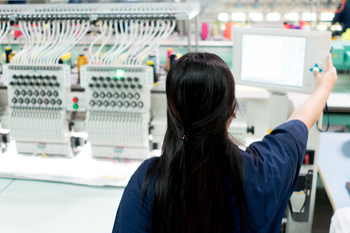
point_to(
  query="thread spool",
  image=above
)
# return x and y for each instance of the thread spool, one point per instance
(81, 60)
(204, 31)
(8, 51)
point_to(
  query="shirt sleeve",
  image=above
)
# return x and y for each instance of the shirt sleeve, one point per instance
(337, 17)
(131, 217)
(271, 171)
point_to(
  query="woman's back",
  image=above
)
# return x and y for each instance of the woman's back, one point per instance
(269, 180)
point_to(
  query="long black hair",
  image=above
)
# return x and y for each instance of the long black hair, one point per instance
(199, 157)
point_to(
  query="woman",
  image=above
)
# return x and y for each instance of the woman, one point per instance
(203, 182)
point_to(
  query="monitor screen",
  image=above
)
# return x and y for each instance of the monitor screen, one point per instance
(277, 60)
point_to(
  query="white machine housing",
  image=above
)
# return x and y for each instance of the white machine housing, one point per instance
(117, 100)
(37, 100)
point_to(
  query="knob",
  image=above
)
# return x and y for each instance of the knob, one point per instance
(54, 77)
(136, 79)
(28, 77)
(24, 83)
(130, 95)
(23, 92)
(46, 101)
(47, 77)
(139, 86)
(57, 84)
(111, 85)
(140, 104)
(31, 84)
(97, 85)
(49, 93)
(100, 78)
(119, 103)
(44, 84)
(30, 93)
(137, 96)
(102, 95)
(129, 79)
(125, 86)
(133, 104)
(14, 100)
(55, 93)
(37, 84)
(132, 86)
(108, 79)
(42, 93)
(40, 101)
(91, 85)
(99, 103)
(104, 85)
(53, 101)
(105, 103)
(119, 86)
(94, 78)
(17, 92)
(18, 83)
(59, 101)
(14, 77)
(40, 77)
(12, 83)
(50, 84)
(95, 94)
(126, 104)
(116, 95)
(92, 103)
(109, 95)
(20, 100)
(33, 101)
(122, 79)
(250, 129)
(36, 93)
(34, 77)
(27, 101)
(123, 95)
(21, 77)
(112, 103)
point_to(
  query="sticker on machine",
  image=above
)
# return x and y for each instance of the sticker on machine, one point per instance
(119, 149)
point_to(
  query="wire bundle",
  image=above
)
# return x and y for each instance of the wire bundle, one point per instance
(4, 27)
(133, 42)
(47, 40)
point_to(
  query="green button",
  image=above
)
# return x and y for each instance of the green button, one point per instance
(75, 106)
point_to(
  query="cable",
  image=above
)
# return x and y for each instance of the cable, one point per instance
(37, 32)
(303, 206)
(67, 41)
(106, 24)
(105, 57)
(55, 31)
(327, 113)
(82, 33)
(47, 40)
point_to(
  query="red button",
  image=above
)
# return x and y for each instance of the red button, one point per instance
(75, 99)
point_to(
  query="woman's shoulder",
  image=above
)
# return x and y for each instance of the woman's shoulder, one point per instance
(137, 178)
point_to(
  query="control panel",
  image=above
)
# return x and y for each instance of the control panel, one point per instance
(37, 86)
(37, 99)
(117, 89)
(117, 100)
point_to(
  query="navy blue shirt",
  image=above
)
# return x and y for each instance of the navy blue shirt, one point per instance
(343, 17)
(271, 169)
